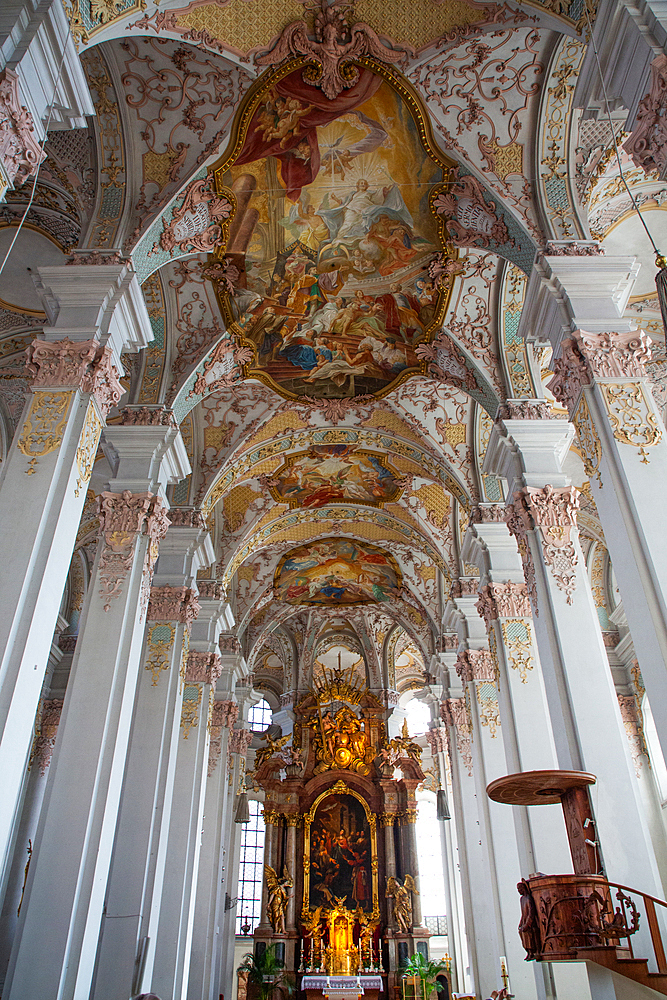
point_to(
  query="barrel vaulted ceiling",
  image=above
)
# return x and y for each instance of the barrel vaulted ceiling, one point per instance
(334, 273)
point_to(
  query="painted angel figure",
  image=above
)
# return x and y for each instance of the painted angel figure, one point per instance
(278, 897)
(402, 900)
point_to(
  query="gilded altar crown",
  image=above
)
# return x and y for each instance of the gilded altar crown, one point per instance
(339, 685)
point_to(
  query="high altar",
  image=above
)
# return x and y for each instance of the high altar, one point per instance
(341, 886)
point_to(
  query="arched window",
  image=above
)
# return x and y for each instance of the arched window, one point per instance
(251, 870)
(259, 716)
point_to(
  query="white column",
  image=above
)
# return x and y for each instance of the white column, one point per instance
(172, 917)
(68, 876)
(584, 710)
(213, 861)
(578, 303)
(528, 737)
(96, 313)
(137, 870)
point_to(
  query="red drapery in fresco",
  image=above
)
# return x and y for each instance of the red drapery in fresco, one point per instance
(298, 150)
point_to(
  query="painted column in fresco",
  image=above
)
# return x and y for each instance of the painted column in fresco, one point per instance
(579, 685)
(138, 867)
(71, 863)
(75, 372)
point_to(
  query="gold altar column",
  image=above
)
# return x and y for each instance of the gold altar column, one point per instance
(290, 860)
(410, 859)
(270, 818)
(388, 819)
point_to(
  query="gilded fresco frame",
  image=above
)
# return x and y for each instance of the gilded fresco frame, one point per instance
(239, 132)
(340, 788)
(291, 459)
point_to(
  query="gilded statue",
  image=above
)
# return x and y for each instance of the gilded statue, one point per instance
(278, 897)
(272, 748)
(403, 746)
(340, 742)
(313, 931)
(402, 900)
(366, 930)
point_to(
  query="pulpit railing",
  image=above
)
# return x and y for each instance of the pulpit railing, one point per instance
(573, 913)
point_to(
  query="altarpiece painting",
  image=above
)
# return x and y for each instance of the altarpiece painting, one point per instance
(341, 846)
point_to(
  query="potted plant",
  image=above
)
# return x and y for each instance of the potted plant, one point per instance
(266, 973)
(427, 971)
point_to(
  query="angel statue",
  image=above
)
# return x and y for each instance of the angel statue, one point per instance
(402, 900)
(278, 897)
(313, 931)
(272, 748)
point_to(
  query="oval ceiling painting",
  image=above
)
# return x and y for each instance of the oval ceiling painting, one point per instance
(335, 571)
(332, 235)
(334, 473)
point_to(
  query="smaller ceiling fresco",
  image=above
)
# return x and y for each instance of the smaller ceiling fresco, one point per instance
(329, 473)
(336, 571)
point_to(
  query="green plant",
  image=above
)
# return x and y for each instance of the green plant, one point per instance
(426, 970)
(266, 972)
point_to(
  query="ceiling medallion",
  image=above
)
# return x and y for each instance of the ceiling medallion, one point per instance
(332, 232)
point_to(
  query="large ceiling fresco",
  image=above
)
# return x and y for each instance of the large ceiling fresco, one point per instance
(332, 235)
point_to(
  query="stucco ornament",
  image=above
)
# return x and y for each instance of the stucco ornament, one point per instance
(554, 513)
(123, 517)
(470, 219)
(20, 153)
(336, 43)
(198, 224)
(648, 143)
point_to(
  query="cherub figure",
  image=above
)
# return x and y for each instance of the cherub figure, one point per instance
(402, 900)
(278, 897)
(273, 748)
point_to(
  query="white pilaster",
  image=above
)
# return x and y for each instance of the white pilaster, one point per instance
(42, 491)
(579, 685)
(67, 882)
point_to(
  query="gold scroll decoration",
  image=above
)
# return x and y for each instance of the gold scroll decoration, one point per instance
(44, 426)
(631, 415)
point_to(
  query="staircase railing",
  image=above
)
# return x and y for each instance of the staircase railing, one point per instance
(625, 893)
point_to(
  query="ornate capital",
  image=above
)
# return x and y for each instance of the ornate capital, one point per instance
(45, 736)
(465, 588)
(292, 819)
(189, 517)
(554, 513)
(96, 258)
(573, 248)
(448, 642)
(454, 712)
(526, 409)
(648, 143)
(202, 668)
(229, 644)
(437, 740)
(147, 416)
(632, 723)
(588, 356)
(388, 819)
(487, 513)
(504, 600)
(173, 604)
(81, 365)
(239, 741)
(225, 713)
(475, 665)
(20, 153)
(123, 516)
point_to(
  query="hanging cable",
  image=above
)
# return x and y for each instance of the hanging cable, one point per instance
(41, 148)
(660, 260)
